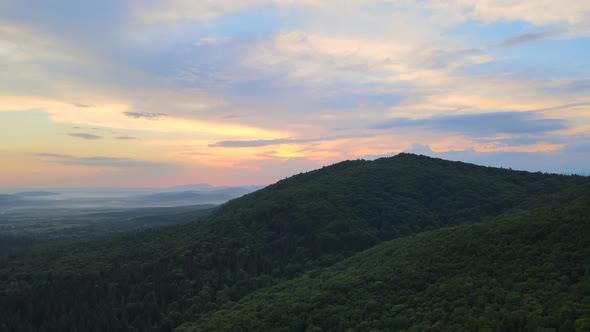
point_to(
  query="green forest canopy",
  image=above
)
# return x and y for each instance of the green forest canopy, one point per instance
(158, 279)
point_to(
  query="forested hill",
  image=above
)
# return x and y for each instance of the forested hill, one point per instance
(528, 272)
(158, 279)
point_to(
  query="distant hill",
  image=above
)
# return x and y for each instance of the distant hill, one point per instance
(195, 187)
(211, 196)
(162, 278)
(7, 197)
(36, 193)
(85, 198)
(206, 187)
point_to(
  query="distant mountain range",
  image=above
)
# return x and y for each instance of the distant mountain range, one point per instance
(120, 197)
(36, 193)
(121, 190)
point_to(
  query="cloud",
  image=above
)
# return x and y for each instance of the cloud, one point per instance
(361, 100)
(578, 86)
(233, 116)
(126, 138)
(562, 107)
(210, 41)
(85, 136)
(546, 12)
(536, 12)
(175, 10)
(103, 161)
(525, 140)
(323, 59)
(444, 58)
(143, 115)
(81, 105)
(570, 160)
(50, 155)
(96, 161)
(62, 170)
(482, 125)
(526, 38)
(193, 153)
(263, 142)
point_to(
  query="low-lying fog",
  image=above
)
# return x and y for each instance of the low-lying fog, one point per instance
(104, 198)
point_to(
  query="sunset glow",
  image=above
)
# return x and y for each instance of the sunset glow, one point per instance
(163, 93)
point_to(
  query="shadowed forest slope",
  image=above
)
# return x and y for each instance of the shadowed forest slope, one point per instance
(525, 272)
(157, 279)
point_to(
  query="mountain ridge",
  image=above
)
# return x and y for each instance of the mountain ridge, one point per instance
(308, 221)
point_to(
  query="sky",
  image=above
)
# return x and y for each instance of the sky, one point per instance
(149, 93)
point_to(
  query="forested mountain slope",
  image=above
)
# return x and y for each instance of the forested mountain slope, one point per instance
(526, 272)
(158, 279)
